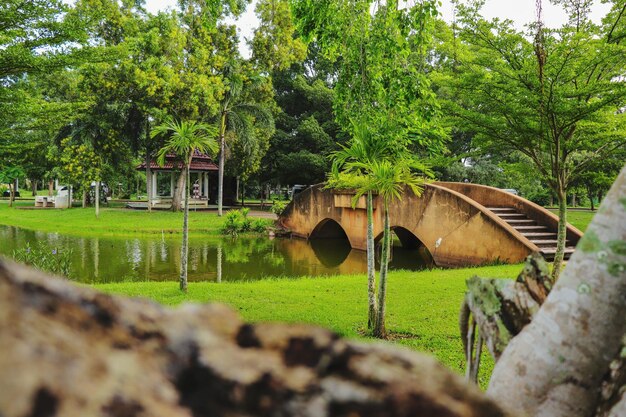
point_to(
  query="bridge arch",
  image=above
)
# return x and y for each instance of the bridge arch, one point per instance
(328, 229)
(409, 243)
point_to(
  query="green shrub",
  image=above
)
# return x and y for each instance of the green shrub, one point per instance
(246, 223)
(279, 206)
(47, 259)
(259, 226)
(237, 221)
(232, 225)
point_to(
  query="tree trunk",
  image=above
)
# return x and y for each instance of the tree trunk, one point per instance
(148, 169)
(561, 236)
(50, 188)
(237, 188)
(11, 195)
(590, 194)
(33, 185)
(220, 174)
(179, 192)
(371, 265)
(184, 251)
(495, 310)
(84, 198)
(97, 199)
(554, 367)
(379, 329)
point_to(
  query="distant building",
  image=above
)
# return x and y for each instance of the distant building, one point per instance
(202, 171)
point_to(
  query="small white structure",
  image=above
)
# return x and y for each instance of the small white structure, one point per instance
(62, 199)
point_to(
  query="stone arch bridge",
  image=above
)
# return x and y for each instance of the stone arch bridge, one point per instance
(459, 223)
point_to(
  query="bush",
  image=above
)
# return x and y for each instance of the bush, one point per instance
(279, 206)
(259, 226)
(237, 221)
(42, 257)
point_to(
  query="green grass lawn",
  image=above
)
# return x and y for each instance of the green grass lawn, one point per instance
(580, 219)
(422, 307)
(112, 221)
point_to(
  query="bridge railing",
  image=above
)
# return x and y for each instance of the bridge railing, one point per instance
(495, 197)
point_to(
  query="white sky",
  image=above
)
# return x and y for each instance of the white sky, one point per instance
(519, 11)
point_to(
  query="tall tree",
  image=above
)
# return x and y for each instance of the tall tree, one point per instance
(553, 95)
(393, 104)
(238, 113)
(10, 175)
(351, 167)
(186, 138)
(274, 45)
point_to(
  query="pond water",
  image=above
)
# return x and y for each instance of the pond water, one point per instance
(212, 259)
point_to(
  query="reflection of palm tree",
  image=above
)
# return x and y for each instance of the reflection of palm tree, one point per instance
(219, 262)
(239, 116)
(186, 138)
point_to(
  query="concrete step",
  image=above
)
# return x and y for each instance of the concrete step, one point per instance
(499, 210)
(506, 216)
(537, 235)
(548, 243)
(531, 228)
(520, 222)
(552, 250)
(548, 253)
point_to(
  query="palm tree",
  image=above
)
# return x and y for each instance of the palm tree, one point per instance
(186, 138)
(238, 115)
(389, 178)
(348, 172)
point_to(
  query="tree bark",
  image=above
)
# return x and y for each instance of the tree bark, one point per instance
(184, 251)
(220, 173)
(179, 192)
(11, 195)
(33, 185)
(84, 198)
(379, 330)
(496, 310)
(371, 265)
(561, 236)
(148, 169)
(50, 188)
(554, 367)
(68, 350)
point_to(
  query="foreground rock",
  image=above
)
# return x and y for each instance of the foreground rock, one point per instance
(71, 351)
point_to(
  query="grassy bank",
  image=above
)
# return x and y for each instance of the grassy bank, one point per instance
(580, 218)
(112, 221)
(422, 309)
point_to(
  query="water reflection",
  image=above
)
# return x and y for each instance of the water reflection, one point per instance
(211, 259)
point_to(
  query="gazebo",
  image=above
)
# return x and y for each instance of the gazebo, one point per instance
(162, 180)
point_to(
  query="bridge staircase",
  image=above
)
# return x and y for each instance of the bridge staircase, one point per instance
(539, 234)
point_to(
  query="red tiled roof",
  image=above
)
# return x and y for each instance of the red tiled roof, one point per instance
(199, 162)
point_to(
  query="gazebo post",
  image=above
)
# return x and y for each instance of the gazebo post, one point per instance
(154, 185)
